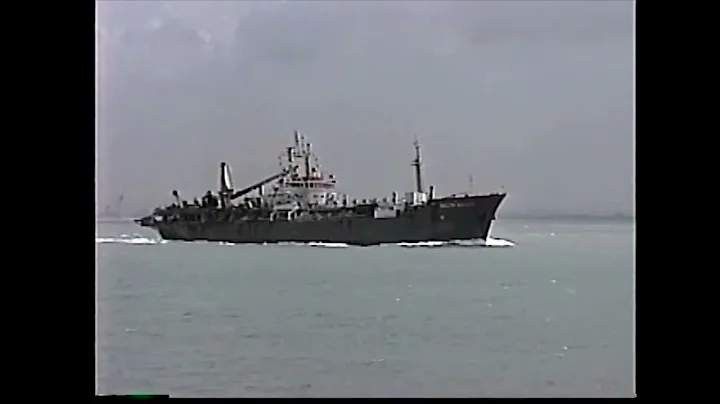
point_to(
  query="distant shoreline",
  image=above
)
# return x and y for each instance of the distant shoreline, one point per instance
(113, 220)
(614, 218)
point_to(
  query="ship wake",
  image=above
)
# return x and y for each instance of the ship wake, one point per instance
(137, 239)
(490, 242)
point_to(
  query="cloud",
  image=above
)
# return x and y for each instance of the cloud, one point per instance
(536, 96)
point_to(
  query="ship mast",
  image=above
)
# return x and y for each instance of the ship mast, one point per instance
(305, 152)
(417, 163)
(307, 162)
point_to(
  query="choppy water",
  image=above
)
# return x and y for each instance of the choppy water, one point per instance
(550, 316)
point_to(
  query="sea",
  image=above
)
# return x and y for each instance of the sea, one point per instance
(545, 308)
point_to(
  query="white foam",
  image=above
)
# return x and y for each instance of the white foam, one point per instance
(308, 244)
(328, 245)
(129, 240)
(423, 244)
(490, 242)
(498, 242)
(137, 239)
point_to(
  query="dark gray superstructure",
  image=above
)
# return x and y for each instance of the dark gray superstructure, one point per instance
(303, 206)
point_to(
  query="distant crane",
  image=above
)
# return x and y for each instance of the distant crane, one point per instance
(117, 210)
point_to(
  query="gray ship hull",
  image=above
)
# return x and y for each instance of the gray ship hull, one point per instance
(445, 219)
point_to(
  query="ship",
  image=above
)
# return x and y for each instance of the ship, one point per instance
(301, 204)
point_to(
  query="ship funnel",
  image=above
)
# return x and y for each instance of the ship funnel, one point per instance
(431, 196)
(394, 198)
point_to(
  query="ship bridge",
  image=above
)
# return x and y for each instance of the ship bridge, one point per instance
(305, 182)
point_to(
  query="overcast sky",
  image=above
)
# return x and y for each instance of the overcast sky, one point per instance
(535, 96)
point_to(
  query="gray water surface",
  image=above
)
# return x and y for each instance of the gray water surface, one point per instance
(550, 316)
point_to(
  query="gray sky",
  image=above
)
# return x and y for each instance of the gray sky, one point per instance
(536, 96)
